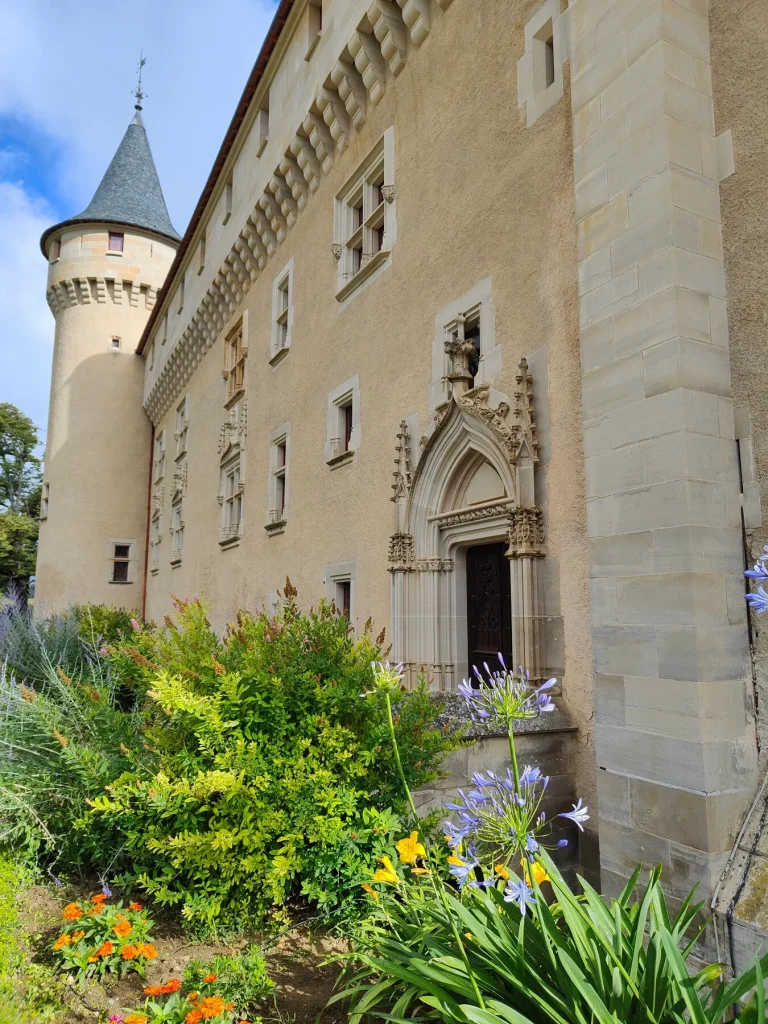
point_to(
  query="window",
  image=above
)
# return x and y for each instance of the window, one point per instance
(262, 125)
(343, 423)
(227, 201)
(544, 56)
(115, 343)
(282, 313)
(158, 461)
(155, 537)
(55, 251)
(340, 586)
(44, 496)
(177, 531)
(232, 505)
(234, 362)
(201, 267)
(181, 295)
(121, 561)
(470, 318)
(540, 69)
(164, 330)
(116, 241)
(151, 357)
(365, 221)
(182, 425)
(314, 25)
(279, 452)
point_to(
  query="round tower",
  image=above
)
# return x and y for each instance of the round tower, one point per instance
(106, 266)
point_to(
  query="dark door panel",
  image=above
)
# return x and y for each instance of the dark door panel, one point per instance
(489, 611)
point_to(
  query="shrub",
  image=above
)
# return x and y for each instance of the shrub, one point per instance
(98, 938)
(274, 778)
(99, 624)
(241, 980)
(175, 1002)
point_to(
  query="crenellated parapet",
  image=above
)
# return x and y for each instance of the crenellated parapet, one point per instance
(385, 38)
(82, 291)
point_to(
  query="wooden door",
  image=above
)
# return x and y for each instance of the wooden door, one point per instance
(489, 607)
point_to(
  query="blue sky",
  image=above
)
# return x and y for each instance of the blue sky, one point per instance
(66, 75)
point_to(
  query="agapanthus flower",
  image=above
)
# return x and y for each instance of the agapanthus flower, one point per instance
(499, 816)
(463, 867)
(759, 598)
(106, 891)
(506, 696)
(386, 678)
(519, 892)
(578, 815)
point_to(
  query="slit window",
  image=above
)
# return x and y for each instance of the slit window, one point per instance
(55, 249)
(344, 598)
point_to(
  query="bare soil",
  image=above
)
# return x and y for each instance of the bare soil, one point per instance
(302, 985)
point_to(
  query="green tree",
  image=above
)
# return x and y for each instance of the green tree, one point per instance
(19, 497)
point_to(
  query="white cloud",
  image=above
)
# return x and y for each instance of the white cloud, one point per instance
(68, 70)
(26, 324)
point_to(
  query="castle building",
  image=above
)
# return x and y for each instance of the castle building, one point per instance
(466, 334)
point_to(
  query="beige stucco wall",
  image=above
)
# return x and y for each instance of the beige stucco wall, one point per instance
(98, 441)
(479, 195)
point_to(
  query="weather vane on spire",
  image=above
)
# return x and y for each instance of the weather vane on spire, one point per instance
(137, 92)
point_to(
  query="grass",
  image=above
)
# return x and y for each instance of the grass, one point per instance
(28, 991)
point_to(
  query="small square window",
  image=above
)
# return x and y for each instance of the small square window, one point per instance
(115, 342)
(116, 241)
(121, 560)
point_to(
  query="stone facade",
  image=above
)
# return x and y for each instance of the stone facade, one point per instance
(509, 276)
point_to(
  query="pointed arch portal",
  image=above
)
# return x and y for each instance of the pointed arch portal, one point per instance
(473, 485)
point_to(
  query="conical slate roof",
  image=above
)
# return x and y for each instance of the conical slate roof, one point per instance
(129, 193)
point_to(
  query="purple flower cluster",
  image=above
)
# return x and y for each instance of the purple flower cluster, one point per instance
(759, 598)
(506, 696)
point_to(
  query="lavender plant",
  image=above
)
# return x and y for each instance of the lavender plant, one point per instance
(758, 599)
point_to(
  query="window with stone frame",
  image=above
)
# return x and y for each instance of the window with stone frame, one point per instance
(279, 453)
(177, 530)
(365, 223)
(182, 427)
(44, 499)
(121, 563)
(282, 312)
(116, 241)
(232, 502)
(340, 586)
(343, 437)
(235, 353)
(155, 537)
(158, 461)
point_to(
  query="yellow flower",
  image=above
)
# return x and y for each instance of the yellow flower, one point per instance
(535, 871)
(456, 861)
(420, 871)
(387, 873)
(370, 890)
(502, 872)
(410, 849)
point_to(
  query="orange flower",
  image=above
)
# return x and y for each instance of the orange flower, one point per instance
(210, 978)
(230, 1007)
(92, 959)
(130, 952)
(212, 1006)
(193, 997)
(95, 911)
(62, 941)
(123, 929)
(193, 1017)
(72, 912)
(147, 950)
(105, 949)
(136, 1018)
(153, 990)
(76, 936)
(163, 990)
(98, 899)
(135, 906)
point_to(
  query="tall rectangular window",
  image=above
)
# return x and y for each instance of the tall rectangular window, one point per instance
(181, 295)
(155, 537)
(344, 598)
(314, 25)
(262, 125)
(177, 530)
(232, 506)
(164, 330)
(343, 436)
(234, 361)
(182, 426)
(365, 226)
(121, 562)
(158, 461)
(55, 250)
(282, 312)
(116, 241)
(277, 511)
(201, 266)
(228, 189)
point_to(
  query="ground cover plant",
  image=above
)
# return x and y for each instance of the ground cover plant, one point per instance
(510, 941)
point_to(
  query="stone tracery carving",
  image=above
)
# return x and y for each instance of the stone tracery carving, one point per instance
(402, 473)
(526, 533)
(474, 515)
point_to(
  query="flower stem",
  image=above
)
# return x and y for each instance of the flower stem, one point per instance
(437, 883)
(513, 755)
